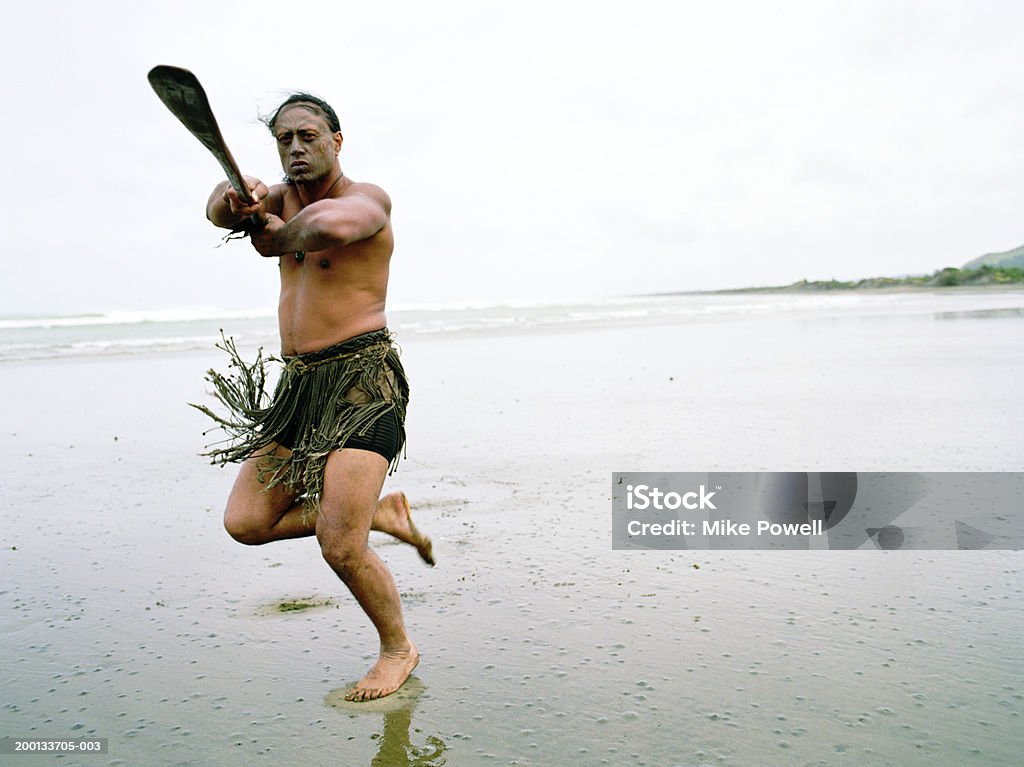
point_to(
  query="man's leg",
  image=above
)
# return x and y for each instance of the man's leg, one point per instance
(352, 483)
(255, 515)
(394, 517)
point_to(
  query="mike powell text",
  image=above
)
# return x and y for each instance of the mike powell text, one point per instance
(643, 497)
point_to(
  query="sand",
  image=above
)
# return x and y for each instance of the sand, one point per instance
(129, 614)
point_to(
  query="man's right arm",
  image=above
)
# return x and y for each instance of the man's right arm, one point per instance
(226, 210)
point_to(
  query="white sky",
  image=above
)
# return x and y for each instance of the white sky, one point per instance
(533, 150)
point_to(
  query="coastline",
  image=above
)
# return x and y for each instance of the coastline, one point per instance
(866, 289)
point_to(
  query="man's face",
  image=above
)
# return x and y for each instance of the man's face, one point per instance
(305, 143)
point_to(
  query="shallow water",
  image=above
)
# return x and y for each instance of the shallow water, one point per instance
(128, 613)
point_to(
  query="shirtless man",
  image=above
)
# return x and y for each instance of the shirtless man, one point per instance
(332, 237)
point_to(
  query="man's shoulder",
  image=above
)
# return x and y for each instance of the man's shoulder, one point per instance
(372, 191)
(278, 194)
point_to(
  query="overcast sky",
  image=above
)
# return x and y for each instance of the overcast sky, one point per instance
(532, 150)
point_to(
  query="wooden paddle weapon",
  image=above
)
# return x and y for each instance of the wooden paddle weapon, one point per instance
(181, 93)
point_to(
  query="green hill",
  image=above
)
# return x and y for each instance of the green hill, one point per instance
(949, 277)
(1011, 258)
(996, 269)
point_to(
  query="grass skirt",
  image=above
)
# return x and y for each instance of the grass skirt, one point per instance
(321, 400)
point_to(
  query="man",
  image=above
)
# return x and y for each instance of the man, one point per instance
(315, 459)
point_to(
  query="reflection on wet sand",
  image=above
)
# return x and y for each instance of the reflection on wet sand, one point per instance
(394, 743)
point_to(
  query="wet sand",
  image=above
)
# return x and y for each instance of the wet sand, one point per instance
(129, 614)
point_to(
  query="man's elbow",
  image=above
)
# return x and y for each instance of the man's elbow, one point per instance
(348, 231)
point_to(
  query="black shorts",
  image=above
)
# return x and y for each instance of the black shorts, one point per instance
(384, 437)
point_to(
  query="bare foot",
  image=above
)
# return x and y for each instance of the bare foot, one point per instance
(387, 675)
(394, 517)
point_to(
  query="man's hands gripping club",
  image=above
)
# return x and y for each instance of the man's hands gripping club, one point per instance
(227, 209)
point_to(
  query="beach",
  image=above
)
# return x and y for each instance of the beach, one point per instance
(130, 615)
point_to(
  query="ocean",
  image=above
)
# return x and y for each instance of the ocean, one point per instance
(121, 333)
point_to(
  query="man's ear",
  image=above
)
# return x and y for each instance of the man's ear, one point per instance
(338, 141)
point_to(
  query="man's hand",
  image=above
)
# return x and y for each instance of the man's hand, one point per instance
(265, 239)
(257, 190)
(225, 209)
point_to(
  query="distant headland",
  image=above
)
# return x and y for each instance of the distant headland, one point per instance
(992, 269)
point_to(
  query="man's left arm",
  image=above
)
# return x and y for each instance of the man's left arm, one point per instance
(324, 224)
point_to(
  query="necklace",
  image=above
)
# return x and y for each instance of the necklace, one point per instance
(300, 255)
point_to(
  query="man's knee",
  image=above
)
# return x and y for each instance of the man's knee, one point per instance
(242, 525)
(343, 550)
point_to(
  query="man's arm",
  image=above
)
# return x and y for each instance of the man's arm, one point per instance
(226, 210)
(325, 224)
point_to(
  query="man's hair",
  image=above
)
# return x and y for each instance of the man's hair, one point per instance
(306, 99)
